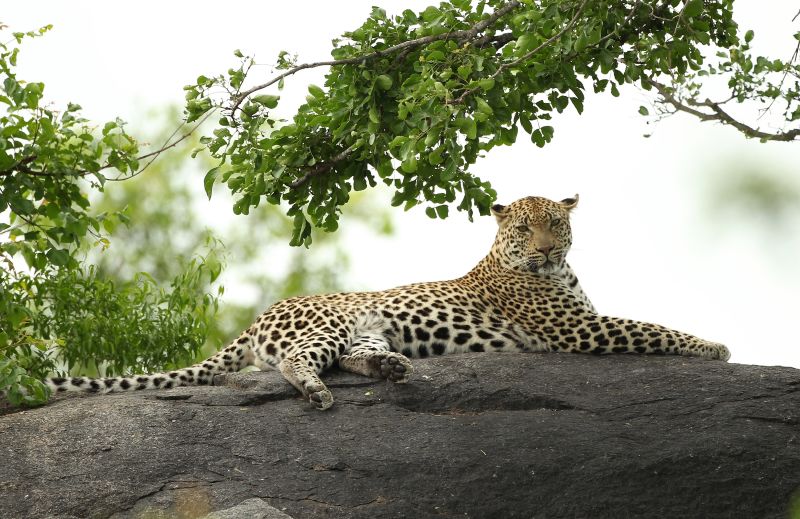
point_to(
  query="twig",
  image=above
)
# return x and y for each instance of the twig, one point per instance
(463, 35)
(499, 41)
(783, 79)
(627, 19)
(164, 147)
(718, 114)
(22, 164)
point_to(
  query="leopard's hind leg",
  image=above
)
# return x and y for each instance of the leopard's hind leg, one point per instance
(367, 354)
(370, 354)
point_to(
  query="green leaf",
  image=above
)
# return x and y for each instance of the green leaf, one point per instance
(373, 114)
(409, 165)
(301, 230)
(384, 168)
(398, 141)
(316, 91)
(467, 126)
(487, 83)
(542, 136)
(643, 110)
(525, 43)
(384, 82)
(693, 8)
(270, 101)
(209, 179)
(483, 106)
(435, 157)
(580, 43)
(58, 257)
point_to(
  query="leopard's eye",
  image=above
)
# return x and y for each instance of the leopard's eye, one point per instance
(555, 222)
(523, 228)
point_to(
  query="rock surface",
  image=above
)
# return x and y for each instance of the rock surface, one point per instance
(471, 436)
(251, 509)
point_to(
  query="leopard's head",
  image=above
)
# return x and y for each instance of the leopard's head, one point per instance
(534, 234)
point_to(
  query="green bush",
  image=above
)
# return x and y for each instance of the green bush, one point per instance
(57, 314)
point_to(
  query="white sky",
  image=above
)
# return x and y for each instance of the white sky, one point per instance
(646, 245)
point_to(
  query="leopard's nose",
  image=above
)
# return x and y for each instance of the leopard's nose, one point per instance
(545, 249)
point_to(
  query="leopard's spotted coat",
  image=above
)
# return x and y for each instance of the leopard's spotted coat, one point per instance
(523, 296)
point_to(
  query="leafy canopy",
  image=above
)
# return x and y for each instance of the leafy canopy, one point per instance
(413, 100)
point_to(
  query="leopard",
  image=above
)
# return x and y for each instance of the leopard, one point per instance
(522, 296)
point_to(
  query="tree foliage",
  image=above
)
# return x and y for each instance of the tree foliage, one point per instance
(56, 312)
(413, 100)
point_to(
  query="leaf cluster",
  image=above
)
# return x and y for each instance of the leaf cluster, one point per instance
(414, 100)
(76, 319)
(772, 85)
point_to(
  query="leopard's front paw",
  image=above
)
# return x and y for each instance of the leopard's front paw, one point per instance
(396, 367)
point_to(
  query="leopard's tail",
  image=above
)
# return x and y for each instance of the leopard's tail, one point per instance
(233, 358)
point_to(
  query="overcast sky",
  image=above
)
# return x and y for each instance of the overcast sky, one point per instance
(648, 244)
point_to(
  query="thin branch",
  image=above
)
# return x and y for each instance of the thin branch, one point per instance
(783, 79)
(164, 147)
(674, 101)
(718, 114)
(22, 164)
(463, 35)
(627, 19)
(497, 40)
(501, 40)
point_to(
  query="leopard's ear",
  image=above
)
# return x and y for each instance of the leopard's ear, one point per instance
(500, 212)
(570, 203)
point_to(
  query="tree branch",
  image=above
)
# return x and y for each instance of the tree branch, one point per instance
(22, 165)
(406, 46)
(717, 114)
(498, 40)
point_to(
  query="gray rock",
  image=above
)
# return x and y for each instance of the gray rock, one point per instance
(471, 436)
(250, 509)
